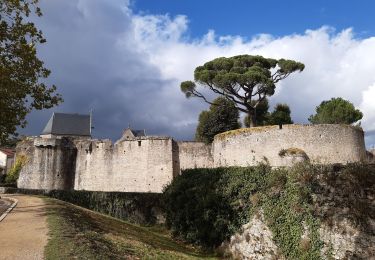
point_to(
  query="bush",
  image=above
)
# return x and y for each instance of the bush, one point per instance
(13, 174)
(140, 208)
(206, 206)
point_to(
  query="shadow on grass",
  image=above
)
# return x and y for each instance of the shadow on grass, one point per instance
(77, 232)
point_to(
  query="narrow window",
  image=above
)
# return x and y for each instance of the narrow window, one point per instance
(139, 143)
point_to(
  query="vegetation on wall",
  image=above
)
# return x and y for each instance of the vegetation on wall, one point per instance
(292, 151)
(14, 173)
(207, 206)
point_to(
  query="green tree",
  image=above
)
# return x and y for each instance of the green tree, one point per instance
(21, 72)
(336, 111)
(280, 115)
(241, 79)
(222, 116)
(261, 114)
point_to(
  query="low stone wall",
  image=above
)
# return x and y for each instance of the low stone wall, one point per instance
(282, 147)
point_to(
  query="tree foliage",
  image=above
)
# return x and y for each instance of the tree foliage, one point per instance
(222, 116)
(279, 116)
(21, 71)
(336, 111)
(245, 80)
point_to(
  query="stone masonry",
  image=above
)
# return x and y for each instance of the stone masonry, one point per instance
(147, 164)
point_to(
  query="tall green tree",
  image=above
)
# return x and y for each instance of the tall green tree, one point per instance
(261, 114)
(280, 115)
(21, 71)
(241, 79)
(222, 116)
(336, 111)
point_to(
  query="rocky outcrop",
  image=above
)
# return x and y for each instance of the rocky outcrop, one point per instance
(254, 241)
(343, 202)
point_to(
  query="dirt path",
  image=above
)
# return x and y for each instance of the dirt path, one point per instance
(23, 233)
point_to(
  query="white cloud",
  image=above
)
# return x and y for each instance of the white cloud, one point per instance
(337, 63)
(129, 66)
(368, 107)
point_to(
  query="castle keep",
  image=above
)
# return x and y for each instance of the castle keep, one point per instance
(140, 163)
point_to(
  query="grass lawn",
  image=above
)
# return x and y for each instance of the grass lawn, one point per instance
(78, 233)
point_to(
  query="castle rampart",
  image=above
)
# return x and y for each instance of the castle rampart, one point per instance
(195, 155)
(147, 164)
(317, 143)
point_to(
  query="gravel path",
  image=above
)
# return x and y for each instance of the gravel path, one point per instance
(23, 233)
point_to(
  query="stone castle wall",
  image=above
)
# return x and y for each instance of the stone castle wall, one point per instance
(321, 143)
(142, 165)
(50, 164)
(371, 155)
(147, 164)
(195, 155)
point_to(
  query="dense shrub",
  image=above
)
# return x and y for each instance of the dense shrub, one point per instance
(143, 208)
(12, 176)
(206, 206)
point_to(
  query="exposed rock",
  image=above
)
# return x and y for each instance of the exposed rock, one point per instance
(344, 241)
(254, 241)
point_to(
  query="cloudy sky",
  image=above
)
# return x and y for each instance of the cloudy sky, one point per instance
(125, 60)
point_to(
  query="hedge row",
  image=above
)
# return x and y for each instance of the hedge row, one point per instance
(140, 208)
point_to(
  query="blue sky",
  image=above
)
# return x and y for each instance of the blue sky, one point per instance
(125, 60)
(248, 18)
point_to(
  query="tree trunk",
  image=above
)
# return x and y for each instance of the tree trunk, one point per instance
(252, 119)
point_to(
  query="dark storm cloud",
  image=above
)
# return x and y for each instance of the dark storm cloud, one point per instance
(96, 65)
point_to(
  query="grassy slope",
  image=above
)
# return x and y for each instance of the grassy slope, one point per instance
(77, 233)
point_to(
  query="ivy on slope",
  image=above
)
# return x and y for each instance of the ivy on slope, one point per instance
(287, 206)
(207, 206)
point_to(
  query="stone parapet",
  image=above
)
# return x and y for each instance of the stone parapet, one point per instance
(47, 142)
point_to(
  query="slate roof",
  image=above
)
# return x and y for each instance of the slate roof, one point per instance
(68, 124)
(138, 133)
